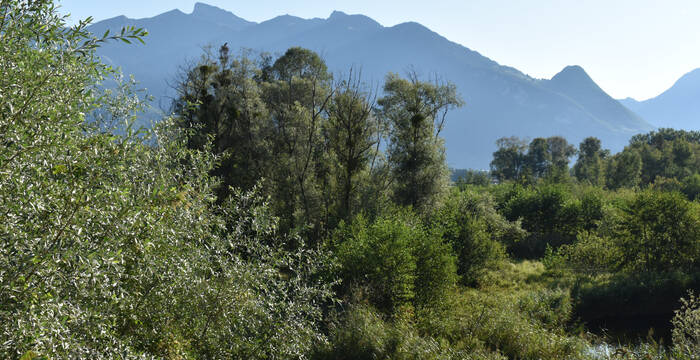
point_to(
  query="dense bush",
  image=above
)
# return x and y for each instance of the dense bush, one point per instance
(518, 329)
(686, 327)
(363, 334)
(551, 308)
(111, 245)
(659, 232)
(397, 260)
(551, 214)
(476, 231)
(590, 254)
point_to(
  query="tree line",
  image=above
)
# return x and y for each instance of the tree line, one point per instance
(665, 158)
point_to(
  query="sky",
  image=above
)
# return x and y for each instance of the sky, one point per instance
(631, 48)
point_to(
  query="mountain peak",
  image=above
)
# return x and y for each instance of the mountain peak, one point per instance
(572, 71)
(119, 18)
(353, 21)
(173, 12)
(285, 18)
(337, 14)
(410, 25)
(219, 16)
(574, 75)
(677, 107)
(200, 7)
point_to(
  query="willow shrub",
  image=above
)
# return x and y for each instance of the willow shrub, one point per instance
(111, 246)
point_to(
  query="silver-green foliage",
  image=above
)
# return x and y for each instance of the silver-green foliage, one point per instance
(111, 246)
(686, 327)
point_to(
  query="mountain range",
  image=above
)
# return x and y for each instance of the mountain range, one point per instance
(677, 107)
(500, 100)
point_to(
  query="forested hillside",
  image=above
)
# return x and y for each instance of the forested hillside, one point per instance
(282, 212)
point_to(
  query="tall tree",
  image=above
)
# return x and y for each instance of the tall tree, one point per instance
(623, 169)
(219, 101)
(352, 133)
(416, 112)
(560, 152)
(298, 94)
(509, 161)
(589, 166)
(539, 158)
(667, 153)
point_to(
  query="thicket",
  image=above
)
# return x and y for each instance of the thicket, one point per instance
(622, 235)
(283, 212)
(113, 245)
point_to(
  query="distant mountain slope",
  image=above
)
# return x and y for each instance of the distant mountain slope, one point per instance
(575, 83)
(501, 101)
(678, 107)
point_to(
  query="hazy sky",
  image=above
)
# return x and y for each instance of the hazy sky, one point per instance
(635, 48)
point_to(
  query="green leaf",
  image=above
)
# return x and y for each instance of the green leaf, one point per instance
(59, 169)
(29, 355)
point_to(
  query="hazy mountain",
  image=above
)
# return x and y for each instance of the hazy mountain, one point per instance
(678, 107)
(575, 83)
(501, 101)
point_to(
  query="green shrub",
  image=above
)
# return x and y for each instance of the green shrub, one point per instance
(552, 308)
(553, 215)
(545, 213)
(590, 254)
(470, 223)
(380, 257)
(666, 184)
(660, 232)
(495, 321)
(691, 187)
(396, 259)
(363, 334)
(436, 269)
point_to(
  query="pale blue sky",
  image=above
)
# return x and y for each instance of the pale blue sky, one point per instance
(635, 48)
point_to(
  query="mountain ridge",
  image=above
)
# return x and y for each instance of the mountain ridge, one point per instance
(677, 107)
(501, 100)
